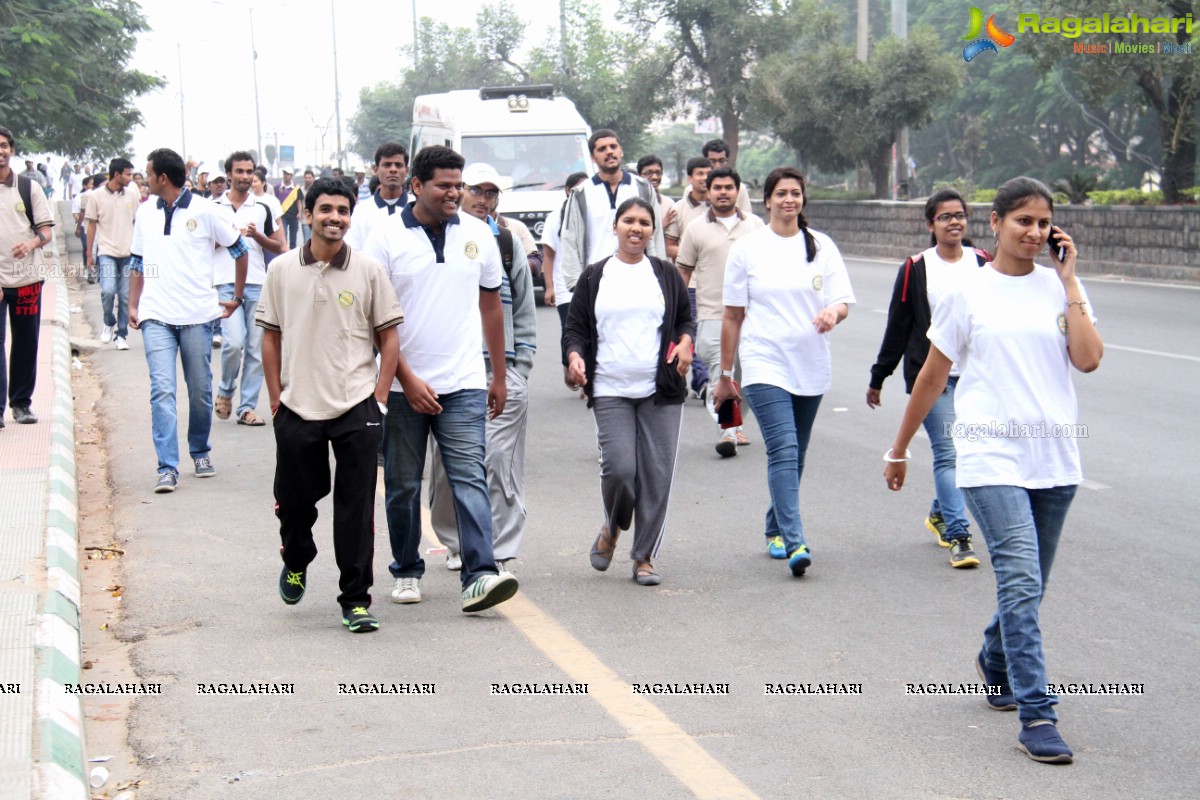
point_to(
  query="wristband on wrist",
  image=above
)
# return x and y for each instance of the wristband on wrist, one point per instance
(892, 460)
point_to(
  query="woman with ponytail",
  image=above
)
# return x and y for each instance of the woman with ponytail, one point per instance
(1017, 328)
(786, 287)
(924, 280)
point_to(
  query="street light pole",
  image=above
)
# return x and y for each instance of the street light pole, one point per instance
(254, 63)
(337, 94)
(182, 121)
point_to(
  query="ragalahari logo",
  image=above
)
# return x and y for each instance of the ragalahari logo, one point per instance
(994, 37)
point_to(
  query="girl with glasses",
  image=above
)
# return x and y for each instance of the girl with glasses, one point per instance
(922, 281)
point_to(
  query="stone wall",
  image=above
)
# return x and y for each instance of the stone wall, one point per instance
(1153, 242)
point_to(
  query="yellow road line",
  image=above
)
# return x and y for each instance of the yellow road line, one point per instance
(682, 755)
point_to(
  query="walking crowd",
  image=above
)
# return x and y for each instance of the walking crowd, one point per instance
(395, 318)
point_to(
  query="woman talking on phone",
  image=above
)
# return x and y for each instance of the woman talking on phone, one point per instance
(786, 287)
(1015, 328)
(629, 345)
(922, 281)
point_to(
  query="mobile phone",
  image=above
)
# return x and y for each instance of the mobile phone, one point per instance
(729, 414)
(671, 352)
(1057, 251)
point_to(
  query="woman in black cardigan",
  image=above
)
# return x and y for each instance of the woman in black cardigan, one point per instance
(629, 345)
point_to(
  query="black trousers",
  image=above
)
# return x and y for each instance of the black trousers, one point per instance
(23, 308)
(302, 479)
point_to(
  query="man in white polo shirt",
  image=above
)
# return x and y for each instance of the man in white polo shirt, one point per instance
(321, 308)
(447, 273)
(241, 339)
(391, 167)
(172, 301)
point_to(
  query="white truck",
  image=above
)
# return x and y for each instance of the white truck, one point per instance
(532, 138)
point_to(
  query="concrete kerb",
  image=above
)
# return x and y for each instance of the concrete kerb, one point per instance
(59, 760)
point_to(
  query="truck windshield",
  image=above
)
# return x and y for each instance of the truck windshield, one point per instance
(535, 163)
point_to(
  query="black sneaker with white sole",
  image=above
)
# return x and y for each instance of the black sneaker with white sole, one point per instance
(167, 481)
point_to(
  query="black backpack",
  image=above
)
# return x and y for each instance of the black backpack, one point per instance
(25, 190)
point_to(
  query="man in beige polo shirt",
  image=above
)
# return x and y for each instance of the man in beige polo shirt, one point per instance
(110, 211)
(692, 205)
(25, 228)
(702, 253)
(321, 308)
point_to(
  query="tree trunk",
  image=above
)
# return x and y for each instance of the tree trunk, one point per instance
(1178, 128)
(731, 129)
(880, 170)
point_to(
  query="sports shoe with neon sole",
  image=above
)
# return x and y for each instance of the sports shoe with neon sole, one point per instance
(359, 620)
(800, 560)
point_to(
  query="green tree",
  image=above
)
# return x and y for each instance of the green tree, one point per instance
(1166, 86)
(717, 43)
(65, 85)
(838, 112)
(612, 84)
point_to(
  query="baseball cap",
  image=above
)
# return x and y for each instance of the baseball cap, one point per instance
(479, 173)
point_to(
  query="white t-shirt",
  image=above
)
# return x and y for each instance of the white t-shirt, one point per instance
(551, 239)
(1015, 408)
(442, 334)
(253, 209)
(629, 316)
(178, 265)
(769, 275)
(942, 276)
(272, 203)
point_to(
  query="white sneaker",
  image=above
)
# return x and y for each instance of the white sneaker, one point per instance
(487, 591)
(406, 590)
(453, 562)
(106, 333)
(122, 344)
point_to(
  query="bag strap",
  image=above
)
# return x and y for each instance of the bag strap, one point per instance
(25, 190)
(504, 238)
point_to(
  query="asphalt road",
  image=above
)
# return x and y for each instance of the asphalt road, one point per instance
(880, 607)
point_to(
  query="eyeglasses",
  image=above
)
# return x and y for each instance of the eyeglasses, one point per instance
(956, 217)
(490, 194)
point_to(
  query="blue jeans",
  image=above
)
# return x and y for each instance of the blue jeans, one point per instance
(1021, 527)
(786, 422)
(241, 349)
(459, 431)
(114, 284)
(699, 366)
(192, 344)
(948, 501)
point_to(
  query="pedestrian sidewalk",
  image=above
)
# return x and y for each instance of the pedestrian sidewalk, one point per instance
(41, 725)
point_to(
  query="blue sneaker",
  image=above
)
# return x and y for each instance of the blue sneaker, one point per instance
(1041, 742)
(775, 547)
(1005, 701)
(800, 560)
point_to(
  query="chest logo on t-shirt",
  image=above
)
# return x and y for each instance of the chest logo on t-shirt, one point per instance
(19, 206)
(817, 283)
(1062, 323)
(346, 299)
(191, 225)
(471, 249)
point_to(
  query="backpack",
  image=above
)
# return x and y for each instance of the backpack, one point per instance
(504, 238)
(25, 190)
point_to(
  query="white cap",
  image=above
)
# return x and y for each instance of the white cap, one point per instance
(478, 174)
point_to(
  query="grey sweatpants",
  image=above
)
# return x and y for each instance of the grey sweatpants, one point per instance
(504, 461)
(639, 448)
